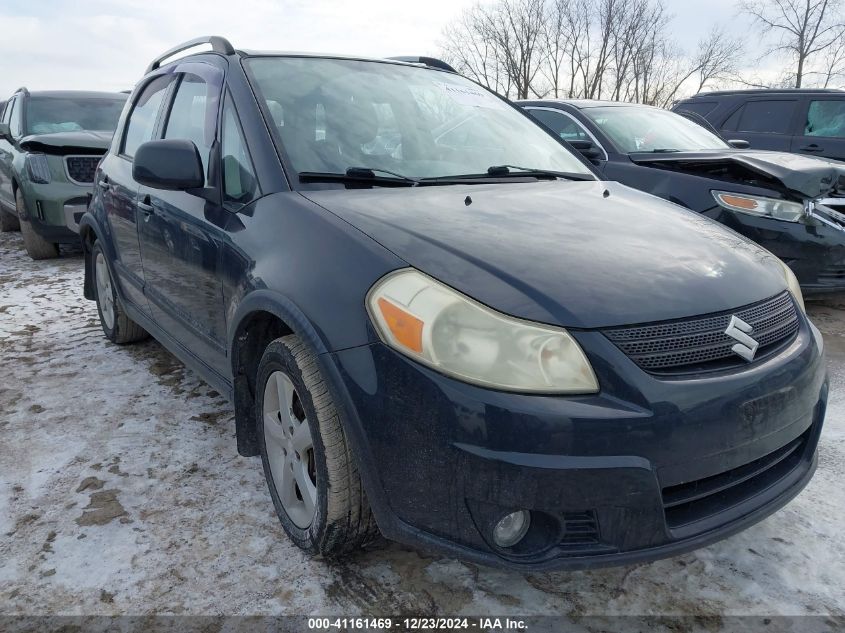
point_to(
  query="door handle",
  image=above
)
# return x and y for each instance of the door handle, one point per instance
(812, 148)
(147, 208)
(104, 184)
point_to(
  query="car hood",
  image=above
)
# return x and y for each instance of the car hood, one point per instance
(792, 174)
(83, 141)
(575, 254)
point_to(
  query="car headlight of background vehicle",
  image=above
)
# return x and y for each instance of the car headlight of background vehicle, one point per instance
(441, 328)
(764, 207)
(793, 285)
(38, 168)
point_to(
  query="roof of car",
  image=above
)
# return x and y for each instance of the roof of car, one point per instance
(85, 94)
(766, 91)
(582, 104)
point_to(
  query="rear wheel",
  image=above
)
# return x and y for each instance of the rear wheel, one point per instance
(310, 470)
(8, 222)
(36, 246)
(117, 326)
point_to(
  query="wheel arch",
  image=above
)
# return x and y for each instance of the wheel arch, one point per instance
(89, 232)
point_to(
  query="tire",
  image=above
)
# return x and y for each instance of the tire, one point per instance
(117, 326)
(8, 222)
(36, 246)
(341, 520)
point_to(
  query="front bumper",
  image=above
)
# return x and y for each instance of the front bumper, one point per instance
(56, 208)
(645, 469)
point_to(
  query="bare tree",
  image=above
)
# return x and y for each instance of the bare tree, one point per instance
(803, 28)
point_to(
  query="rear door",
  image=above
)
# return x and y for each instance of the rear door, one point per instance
(821, 129)
(766, 123)
(181, 233)
(120, 191)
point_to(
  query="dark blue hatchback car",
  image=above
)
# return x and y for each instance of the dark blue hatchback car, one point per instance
(436, 322)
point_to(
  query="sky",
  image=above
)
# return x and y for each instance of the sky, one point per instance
(106, 45)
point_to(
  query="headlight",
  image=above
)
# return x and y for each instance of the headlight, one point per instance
(455, 335)
(793, 285)
(765, 207)
(38, 168)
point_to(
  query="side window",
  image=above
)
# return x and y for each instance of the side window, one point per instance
(699, 107)
(7, 113)
(15, 123)
(239, 183)
(826, 118)
(191, 117)
(142, 120)
(560, 124)
(771, 117)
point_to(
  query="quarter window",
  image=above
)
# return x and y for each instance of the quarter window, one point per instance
(142, 121)
(826, 118)
(15, 126)
(190, 116)
(239, 184)
(772, 117)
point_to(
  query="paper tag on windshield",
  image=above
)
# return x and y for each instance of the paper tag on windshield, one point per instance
(472, 96)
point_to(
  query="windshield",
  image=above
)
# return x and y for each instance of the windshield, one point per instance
(639, 129)
(335, 114)
(46, 115)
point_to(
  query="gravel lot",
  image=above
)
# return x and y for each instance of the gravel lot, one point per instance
(122, 493)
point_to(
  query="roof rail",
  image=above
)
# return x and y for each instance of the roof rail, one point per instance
(218, 45)
(715, 93)
(431, 62)
(22, 89)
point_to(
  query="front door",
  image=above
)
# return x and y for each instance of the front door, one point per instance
(120, 191)
(179, 233)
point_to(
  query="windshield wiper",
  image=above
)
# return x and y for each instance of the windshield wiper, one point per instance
(663, 150)
(511, 171)
(360, 175)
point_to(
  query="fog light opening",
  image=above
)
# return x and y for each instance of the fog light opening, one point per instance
(511, 528)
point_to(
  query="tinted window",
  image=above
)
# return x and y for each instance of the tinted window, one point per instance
(771, 117)
(7, 113)
(239, 184)
(560, 124)
(699, 107)
(46, 115)
(190, 117)
(826, 118)
(144, 114)
(15, 118)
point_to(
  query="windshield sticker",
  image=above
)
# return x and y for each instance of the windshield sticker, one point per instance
(472, 96)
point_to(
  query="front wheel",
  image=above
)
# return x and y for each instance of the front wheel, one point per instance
(310, 470)
(36, 246)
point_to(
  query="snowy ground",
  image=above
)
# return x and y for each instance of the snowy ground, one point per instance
(121, 492)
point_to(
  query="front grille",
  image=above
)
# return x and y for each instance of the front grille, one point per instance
(695, 345)
(696, 500)
(81, 169)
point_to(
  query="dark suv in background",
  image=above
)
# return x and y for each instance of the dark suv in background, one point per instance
(50, 144)
(802, 121)
(433, 316)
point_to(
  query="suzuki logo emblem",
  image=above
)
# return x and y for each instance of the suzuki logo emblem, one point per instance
(739, 331)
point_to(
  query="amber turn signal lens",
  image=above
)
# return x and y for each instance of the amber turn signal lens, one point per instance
(406, 328)
(736, 201)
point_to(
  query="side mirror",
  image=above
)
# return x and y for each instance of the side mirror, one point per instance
(586, 148)
(5, 132)
(739, 143)
(172, 164)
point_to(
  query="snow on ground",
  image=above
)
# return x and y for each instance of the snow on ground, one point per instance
(121, 492)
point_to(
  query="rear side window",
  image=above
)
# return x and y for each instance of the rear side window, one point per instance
(560, 124)
(699, 107)
(239, 184)
(826, 118)
(142, 121)
(772, 117)
(15, 126)
(190, 116)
